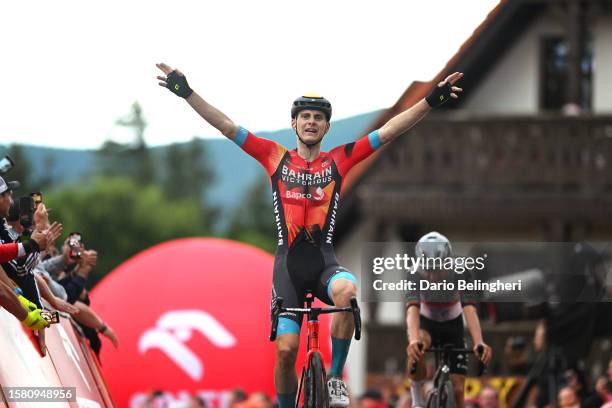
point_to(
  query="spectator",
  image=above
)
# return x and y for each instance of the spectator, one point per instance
(516, 355)
(197, 402)
(256, 400)
(20, 270)
(236, 396)
(371, 399)
(488, 398)
(568, 398)
(78, 267)
(600, 396)
(610, 376)
(405, 401)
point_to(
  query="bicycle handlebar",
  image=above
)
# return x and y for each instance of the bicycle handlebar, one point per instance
(479, 350)
(313, 312)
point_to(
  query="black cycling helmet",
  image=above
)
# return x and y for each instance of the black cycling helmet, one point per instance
(311, 101)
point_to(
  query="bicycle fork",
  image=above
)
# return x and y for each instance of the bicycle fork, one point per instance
(312, 347)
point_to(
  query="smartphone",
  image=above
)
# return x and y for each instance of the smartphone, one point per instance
(74, 242)
(37, 197)
(26, 211)
(51, 317)
(6, 163)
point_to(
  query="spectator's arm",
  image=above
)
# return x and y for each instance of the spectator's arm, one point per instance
(89, 318)
(6, 280)
(56, 302)
(53, 265)
(10, 301)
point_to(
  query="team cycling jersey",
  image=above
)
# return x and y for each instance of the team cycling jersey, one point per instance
(305, 197)
(306, 194)
(440, 312)
(439, 305)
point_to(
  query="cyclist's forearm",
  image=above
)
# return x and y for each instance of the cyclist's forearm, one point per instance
(473, 323)
(413, 322)
(212, 115)
(402, 122)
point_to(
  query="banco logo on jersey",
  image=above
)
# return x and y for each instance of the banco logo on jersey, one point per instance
(173, 329)
(297, 195)
(306, 178)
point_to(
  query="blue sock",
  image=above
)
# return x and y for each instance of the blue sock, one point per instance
(286, 400)
(340, 349)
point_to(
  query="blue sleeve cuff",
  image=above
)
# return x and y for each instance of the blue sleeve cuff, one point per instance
(241, 136)
(374, 138)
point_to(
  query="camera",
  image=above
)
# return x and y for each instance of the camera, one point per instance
(26, 212)
(37, 197)
(74, 242)
(6, 164)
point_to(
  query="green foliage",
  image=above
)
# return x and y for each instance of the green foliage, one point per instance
(133, 160)
(187, 174)
(119, 218)
(138, 197)
(253, 222)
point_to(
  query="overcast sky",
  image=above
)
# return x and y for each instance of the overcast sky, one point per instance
(71, 68)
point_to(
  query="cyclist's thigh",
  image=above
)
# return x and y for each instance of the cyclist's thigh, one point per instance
(451, 332)
(458, 383)
(329, 275)
(293, 296)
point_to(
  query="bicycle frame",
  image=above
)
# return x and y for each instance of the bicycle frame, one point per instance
(442, 373)
(313, 345)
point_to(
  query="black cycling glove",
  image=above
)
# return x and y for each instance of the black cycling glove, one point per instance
(177, 83)
(439, 95)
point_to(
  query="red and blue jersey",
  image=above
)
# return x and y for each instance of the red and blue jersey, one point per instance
(305, 194)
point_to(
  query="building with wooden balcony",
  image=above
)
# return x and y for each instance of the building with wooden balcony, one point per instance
(524, 155)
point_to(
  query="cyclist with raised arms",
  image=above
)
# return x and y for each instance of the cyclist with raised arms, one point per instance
(306, 190)
(436, 318)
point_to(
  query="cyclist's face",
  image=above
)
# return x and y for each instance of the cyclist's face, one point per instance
(310, 125)
(436, 275)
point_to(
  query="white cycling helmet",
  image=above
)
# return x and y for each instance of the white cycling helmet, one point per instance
(433, 245)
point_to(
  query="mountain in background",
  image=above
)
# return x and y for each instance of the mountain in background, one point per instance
(234, 170)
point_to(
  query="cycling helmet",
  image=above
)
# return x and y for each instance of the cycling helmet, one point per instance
(433, 245)
(311, 101)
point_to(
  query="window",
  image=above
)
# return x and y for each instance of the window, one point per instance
(554, 74)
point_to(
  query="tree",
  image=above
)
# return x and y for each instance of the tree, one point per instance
(119, 218)
(187, 173)
(253, 222)
(132, 160)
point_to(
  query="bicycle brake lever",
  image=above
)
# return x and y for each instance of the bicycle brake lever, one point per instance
(481, 366)
(275, 312)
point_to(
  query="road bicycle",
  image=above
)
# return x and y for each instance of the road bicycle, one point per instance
(442, 394)
(314, 378)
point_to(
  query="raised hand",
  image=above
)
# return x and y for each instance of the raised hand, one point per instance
(445, 90)
(174, 80)
(451, 79)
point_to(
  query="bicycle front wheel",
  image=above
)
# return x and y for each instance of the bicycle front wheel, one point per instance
(449, 395)
(315, 384)
(443, 397)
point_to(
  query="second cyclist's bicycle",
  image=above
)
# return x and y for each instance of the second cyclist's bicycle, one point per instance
(442, 395)
(314, 379)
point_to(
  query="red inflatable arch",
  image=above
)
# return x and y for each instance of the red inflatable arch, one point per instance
(192, 317)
